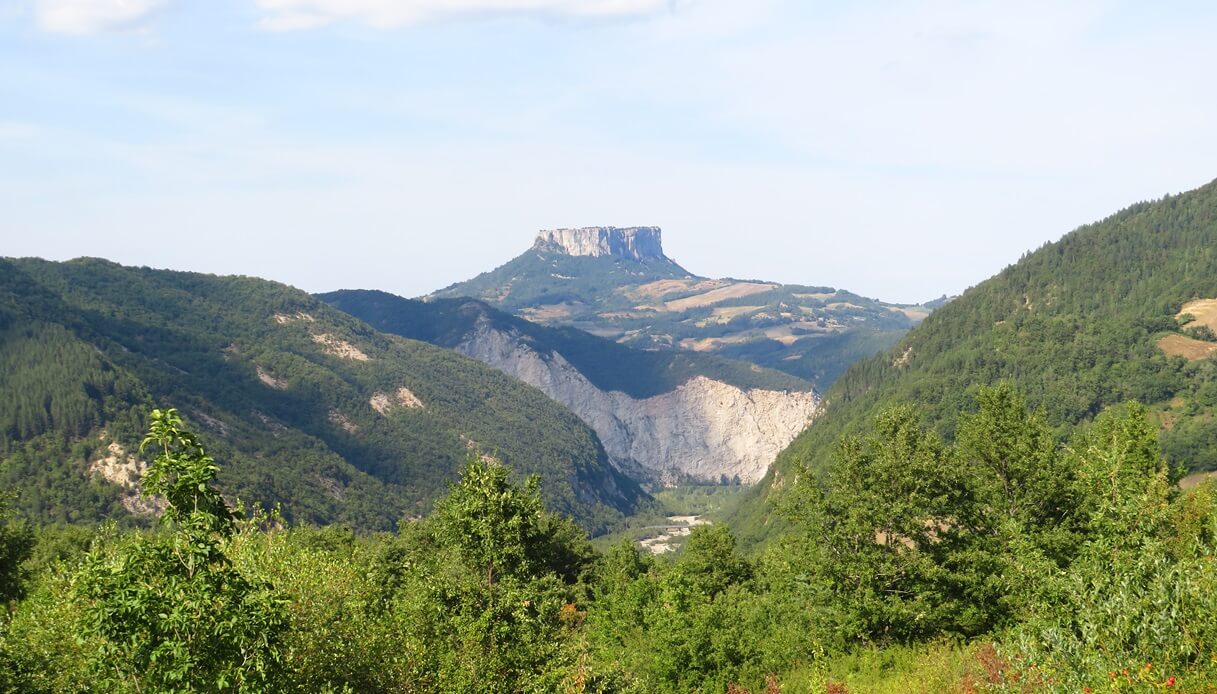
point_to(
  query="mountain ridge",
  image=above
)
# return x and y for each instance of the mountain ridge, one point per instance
(1078, 324)
(317, 410)
(811, 332)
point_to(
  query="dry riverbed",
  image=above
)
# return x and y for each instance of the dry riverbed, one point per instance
(673, 534)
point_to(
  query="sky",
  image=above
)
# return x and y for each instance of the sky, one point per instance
(901, 150)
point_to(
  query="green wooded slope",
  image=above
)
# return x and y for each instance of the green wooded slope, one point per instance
(283, 384)
(1074, 324)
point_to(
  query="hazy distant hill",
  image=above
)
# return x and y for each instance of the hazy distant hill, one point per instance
(1115, 310)
(304, 405)
(663, 416)
(617, 283)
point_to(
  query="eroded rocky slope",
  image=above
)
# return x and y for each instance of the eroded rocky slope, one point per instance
(662, 417)
(704, 430)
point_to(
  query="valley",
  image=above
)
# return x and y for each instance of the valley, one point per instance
(441, 485)
(342, 350)
(663, 418)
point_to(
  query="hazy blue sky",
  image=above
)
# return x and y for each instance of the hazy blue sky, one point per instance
(897, 149)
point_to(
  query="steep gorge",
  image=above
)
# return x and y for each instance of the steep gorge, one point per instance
(703, 430)
(662, 417)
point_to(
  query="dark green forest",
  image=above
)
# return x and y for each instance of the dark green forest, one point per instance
(304, 402)
(1075, 324)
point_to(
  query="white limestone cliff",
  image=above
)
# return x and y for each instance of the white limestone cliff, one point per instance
(634, 243)
(703, 429)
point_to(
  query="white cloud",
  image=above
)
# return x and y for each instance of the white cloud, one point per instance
(92, 16)
(287, 15)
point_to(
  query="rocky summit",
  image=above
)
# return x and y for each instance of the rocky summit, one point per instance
(634, 243)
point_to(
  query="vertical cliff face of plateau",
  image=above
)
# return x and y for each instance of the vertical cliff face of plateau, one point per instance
(702, 430)
(635, 243)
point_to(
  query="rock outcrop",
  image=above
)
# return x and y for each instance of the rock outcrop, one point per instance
(703, 430)
(634, 243)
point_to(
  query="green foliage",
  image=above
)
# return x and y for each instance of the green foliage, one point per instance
(1201, 332)
(58, 544)
(1084, 558)
(510, 602)
(182, 474)
(1001, 562)
(710, 563)
(938, 667)
(494, 526)
(1141, 589)
(43, 645)
(891, 530)
(1011, 451)
(338, 636)
(169, 611)
(697, 625)
(16, 545)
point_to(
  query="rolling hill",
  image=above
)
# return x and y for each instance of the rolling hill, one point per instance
(306, 406)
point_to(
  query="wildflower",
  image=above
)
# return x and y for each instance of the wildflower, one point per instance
(1170, 681)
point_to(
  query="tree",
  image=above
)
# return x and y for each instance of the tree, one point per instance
(709, 561)
(1122, 484)
(494, 525)
(1023, 485)
(169, 609)
(493, 602)
(1143, 585)
(16, 544)
(885, 532)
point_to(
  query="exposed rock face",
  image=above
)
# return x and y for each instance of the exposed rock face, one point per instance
(634, 243)
(383, 403)
(339, 348)
(127, 472)
(702, 430)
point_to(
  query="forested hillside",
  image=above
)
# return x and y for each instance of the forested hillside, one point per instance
(313, 409)
(1092, 320)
